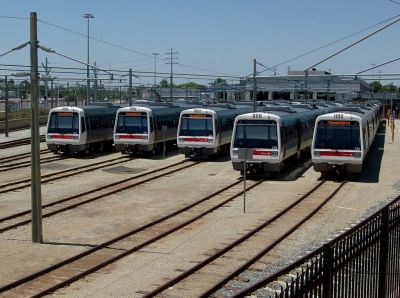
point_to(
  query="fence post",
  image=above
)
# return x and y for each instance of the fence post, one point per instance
(383, 253)
(327, 271)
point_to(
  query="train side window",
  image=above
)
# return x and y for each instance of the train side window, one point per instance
(83, 126)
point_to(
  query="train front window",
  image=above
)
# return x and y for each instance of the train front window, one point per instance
(64, 122)
(132, 122)
(338, 135)
(256, 134)
(196, 125)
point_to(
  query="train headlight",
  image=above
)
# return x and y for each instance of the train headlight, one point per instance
(180, 139)
(316, 153)
(76, 137)
(357, 154)
(117, 137)
(210, 140)
(145, 137)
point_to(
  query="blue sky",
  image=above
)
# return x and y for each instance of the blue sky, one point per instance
(212, 36)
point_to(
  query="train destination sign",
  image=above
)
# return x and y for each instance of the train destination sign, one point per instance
(65, 114)
(134, 114)
(198, 116)
(340, 123)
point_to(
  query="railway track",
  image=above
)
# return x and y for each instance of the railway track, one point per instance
(63, 273)
(24, 217)
(20, 156)
(24, 183)
(19, 142)
(24, 164)
(211, 274)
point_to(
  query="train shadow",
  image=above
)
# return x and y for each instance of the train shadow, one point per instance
(373, 160)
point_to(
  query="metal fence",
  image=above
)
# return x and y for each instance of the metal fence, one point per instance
(363, 262)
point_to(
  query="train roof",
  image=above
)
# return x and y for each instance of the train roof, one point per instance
(88, 108)
(287, 114)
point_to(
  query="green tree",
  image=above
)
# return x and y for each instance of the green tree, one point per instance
(376, 87)
(191, 85)
(390, 88)
(218, 82)
(164, 83)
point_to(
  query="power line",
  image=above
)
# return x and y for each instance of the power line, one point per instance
(379, 65)
(119, 46)
(329, 44)
(96, 39)
(353, 44)
(12, 17)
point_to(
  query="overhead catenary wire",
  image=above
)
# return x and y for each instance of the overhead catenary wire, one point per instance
(119, 46)
(379, 65)
(328, 44)
(353, 44)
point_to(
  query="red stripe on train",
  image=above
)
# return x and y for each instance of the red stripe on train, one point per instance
(262, 152)
(195, 139)
(68, 137)
(130, 137)
(336, 153)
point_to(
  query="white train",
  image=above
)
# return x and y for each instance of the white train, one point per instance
(271, 136)
(80, 129)
(144, 127)
(343, 137)
(207, 131)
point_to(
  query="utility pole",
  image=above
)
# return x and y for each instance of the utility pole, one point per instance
(36, 193)
(87, 16)
(52, 94)
(46, 86)
(254, 86)
(6, 107)
(130, 87)
(306, 84)
(95, 82)
(171, 58)
(155, 68)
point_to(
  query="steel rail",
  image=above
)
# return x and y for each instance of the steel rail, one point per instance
(19, 142)
(56, 176)
(61, 284)
(221, 252)
(20, 156)
(69, 207)
(24, 164)
(219, 284)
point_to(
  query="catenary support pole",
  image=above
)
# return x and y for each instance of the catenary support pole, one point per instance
(130, 87)
(6, 107)
(254, 85)
(36, 195)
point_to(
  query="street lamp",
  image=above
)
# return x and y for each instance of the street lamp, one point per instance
(88, 16)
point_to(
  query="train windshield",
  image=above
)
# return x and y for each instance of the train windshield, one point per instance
(338, 135)
(256, 134)
(196, 125)
(63, 122)
(132, 122)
